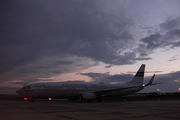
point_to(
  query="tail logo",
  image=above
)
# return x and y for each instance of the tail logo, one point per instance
(140, 74)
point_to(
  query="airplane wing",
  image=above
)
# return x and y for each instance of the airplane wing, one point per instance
(111, 90)
(156, 83)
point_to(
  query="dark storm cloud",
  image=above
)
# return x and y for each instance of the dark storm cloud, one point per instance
(174, 34)
(107, 78)
(171, 23)
(108, 66)
(157, 40)
(175, 44)
(169, 77)
(168, 36)
(141, 58)
(153, 41)
(30, 30)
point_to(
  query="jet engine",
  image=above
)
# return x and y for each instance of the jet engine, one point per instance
(87, 96)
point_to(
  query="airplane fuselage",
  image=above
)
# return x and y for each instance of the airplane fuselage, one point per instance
(64, 90)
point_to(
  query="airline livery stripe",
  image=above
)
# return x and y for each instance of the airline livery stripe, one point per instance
(140, 74)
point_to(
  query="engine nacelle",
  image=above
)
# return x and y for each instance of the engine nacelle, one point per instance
(88, 96)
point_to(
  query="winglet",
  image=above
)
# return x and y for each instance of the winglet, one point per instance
(151, 80)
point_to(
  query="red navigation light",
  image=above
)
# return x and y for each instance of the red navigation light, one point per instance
(143, 85)
(25, 99)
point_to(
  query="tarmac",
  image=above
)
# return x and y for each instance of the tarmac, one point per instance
(68, 110)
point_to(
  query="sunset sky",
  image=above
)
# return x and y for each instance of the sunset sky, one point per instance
(99, 41)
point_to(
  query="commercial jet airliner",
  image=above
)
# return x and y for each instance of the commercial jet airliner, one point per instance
(85, 91)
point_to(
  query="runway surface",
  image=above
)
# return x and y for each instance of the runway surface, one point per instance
(65, 110)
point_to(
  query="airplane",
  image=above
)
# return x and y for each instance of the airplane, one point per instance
(84, 91)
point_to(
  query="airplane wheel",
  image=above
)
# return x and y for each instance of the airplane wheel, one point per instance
(81, 98)
(32, 101)
(99, 99)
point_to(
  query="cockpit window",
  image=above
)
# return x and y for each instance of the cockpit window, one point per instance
(26, 87)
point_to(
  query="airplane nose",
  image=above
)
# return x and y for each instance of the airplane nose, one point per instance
(20, 92)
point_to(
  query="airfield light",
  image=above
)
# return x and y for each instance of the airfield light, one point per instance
(49, 98)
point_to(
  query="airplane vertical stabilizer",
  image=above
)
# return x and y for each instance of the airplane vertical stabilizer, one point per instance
(139, 77)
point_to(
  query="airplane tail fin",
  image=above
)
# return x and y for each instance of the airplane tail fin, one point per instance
(139, 77)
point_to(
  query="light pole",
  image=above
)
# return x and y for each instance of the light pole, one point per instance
(158, 91)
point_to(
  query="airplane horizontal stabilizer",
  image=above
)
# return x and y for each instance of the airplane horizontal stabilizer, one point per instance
(156, 83)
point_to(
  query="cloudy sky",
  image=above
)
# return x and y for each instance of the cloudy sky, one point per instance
(99, 41)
